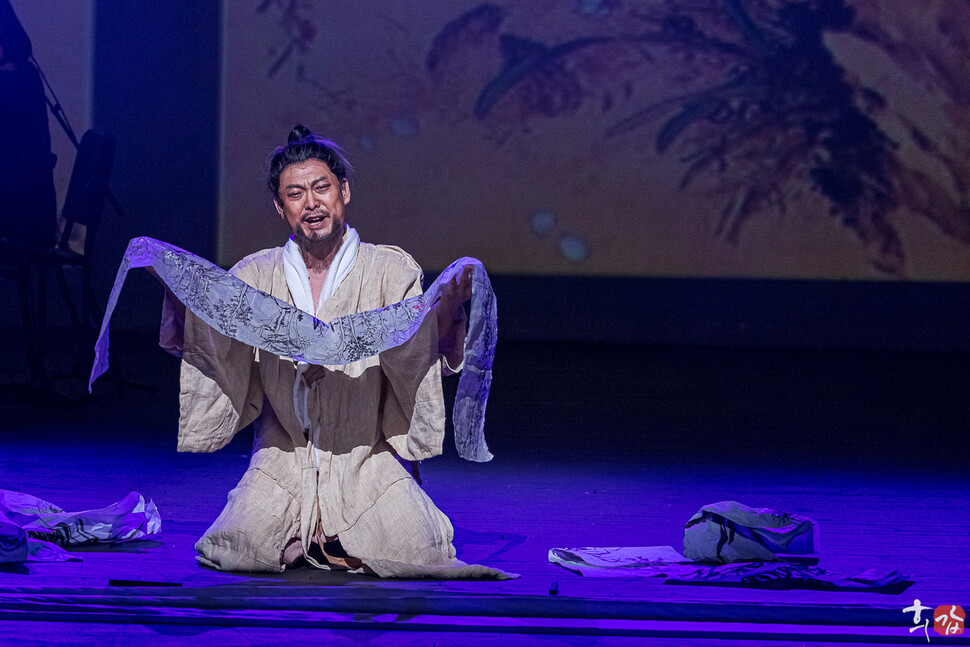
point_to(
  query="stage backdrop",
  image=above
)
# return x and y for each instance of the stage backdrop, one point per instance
(694, 138)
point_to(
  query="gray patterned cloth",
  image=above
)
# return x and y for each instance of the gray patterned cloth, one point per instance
(252, 317)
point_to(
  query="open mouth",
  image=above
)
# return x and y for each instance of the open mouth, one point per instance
(315, 220)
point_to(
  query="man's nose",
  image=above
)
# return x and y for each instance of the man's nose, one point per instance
(311, 200)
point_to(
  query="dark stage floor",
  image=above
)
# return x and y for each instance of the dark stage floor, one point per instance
(595, 445)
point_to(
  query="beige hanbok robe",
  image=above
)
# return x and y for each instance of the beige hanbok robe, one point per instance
(340, 477)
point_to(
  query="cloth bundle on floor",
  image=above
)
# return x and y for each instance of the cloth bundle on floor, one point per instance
(730, 544)
(728, 532)
(34, 530)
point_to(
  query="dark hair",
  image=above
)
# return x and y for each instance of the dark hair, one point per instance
(303, 145)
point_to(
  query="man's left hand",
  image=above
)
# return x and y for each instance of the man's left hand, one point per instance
(451, 316)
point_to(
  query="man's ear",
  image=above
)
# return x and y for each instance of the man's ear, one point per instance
(279, 208)
(345, 190)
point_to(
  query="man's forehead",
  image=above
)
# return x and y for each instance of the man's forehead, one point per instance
(311, 170)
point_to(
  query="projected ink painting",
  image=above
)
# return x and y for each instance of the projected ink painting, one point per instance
(806, 139)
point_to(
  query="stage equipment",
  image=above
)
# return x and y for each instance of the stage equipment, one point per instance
(28, 203)
(83, 207)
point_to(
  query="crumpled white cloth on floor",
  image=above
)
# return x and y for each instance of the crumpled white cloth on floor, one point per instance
(628, 561)
(34, 530)
(730, 544)
(665, 562)
(246, 314)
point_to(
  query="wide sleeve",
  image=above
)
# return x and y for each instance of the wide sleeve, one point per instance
(413, 416)
(220, 389)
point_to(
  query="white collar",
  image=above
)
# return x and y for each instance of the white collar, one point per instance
(298, 278)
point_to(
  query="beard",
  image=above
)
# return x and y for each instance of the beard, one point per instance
(318, 242)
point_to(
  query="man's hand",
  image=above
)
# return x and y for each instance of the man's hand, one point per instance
(451, 316)
(456, 292)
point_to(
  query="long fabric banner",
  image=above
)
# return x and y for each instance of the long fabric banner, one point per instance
(246, 314)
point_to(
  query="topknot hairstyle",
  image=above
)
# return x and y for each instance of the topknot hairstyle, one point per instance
(302, 145)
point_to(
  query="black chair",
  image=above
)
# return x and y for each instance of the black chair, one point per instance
(80, 217)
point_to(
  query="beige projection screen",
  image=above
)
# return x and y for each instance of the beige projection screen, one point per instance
(714, 138)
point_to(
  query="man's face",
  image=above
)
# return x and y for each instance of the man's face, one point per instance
(312, 202)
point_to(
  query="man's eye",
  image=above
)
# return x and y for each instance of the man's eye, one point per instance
(293, 196)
